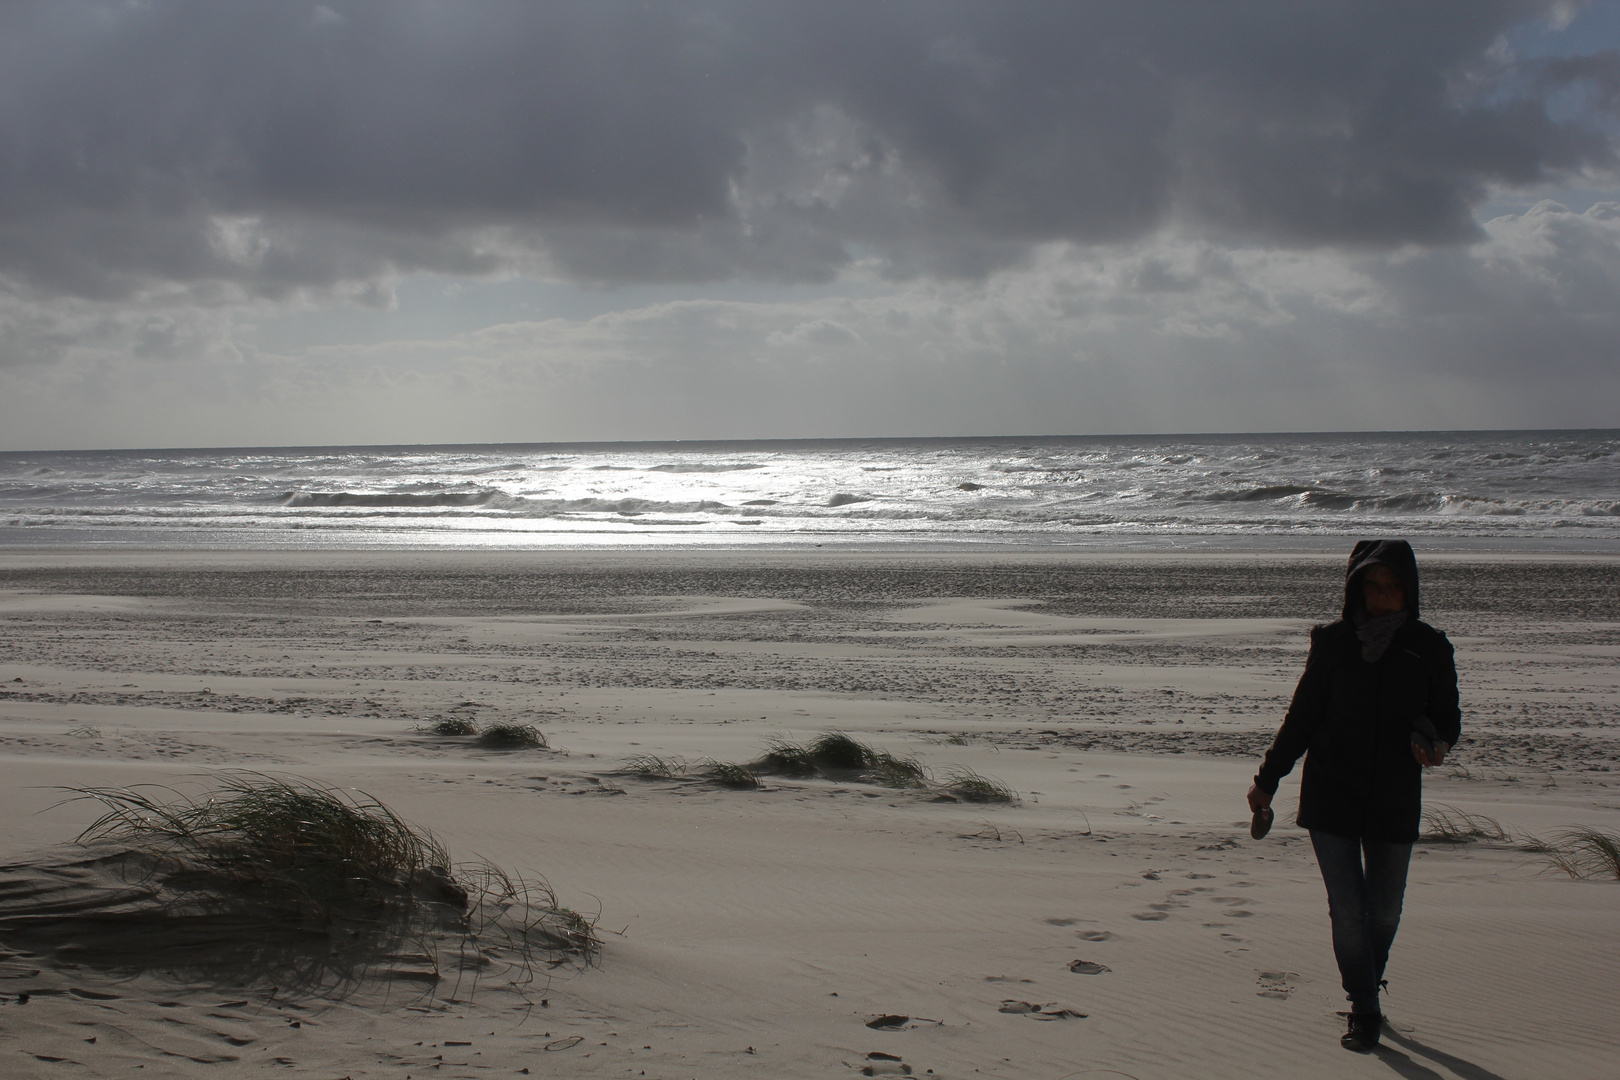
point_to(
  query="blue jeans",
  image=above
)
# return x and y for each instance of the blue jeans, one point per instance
(1365, 881)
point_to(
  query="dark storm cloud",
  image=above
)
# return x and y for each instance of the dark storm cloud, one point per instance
(265, 148)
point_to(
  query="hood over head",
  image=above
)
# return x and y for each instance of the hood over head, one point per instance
(1395, 554)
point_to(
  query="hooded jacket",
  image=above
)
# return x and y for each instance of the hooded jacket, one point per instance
(1353, 720)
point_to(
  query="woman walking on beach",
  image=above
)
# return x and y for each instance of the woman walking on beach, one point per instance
(1377, 702)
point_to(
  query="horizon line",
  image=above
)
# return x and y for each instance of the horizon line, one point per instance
(704, 442)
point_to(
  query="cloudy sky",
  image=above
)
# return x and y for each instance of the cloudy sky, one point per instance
(228, 224)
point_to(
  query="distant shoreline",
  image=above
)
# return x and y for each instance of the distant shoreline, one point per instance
(1330, 549)
(809, 442)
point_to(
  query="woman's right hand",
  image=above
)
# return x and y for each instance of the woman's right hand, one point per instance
(1430, 757)
(1258, 799)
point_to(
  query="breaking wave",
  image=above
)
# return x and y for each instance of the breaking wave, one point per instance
(494, 501)
(360, 498)
(624, 507)
(702, 467)
(1269, 493)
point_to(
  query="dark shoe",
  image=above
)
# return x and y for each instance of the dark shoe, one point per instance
(1363, 1034)
(1260, 824)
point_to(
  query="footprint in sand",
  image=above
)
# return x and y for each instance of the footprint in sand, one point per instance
(1233, 912)
(1088, 967)
(1050, 1010)
(880, 1064)
(1095, 935)
(1276, 984)
(1150, 916)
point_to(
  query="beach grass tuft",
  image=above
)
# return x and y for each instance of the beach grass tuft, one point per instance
(324, 884)
(838, 755)
(1586, 852)
(509, 736)
(834, 752)
(653, 767)
(787, 759)
(729, 774)
(289, 841)
(1446, 824)
(837, 751)
(519, 911)
(884, 768)
(448, 726)
(968, 786)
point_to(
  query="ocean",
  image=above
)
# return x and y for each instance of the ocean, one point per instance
(1553, 491)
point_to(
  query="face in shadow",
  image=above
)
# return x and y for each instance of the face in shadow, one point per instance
(1382, 592)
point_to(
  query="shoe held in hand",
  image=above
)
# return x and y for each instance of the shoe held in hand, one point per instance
(1261, 824)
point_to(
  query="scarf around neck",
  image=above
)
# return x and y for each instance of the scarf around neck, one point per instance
(1376, 634)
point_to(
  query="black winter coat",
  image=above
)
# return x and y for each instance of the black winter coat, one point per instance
(1353, 720)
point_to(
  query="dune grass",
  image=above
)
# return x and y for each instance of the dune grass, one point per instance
(835, 753)
(1445, 824)
(787, 759)
(516, 912)
(1585, 852)
(449, 726)
(289, 841)
(884, 768)
(510, 736)
(838, 755)
(334, 880)
(968, 786)
(729, 774)
(834, 750)
(989, 831)
(653, 767)
(1580, 852)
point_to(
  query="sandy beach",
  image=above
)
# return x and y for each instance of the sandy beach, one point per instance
(1114, 920)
